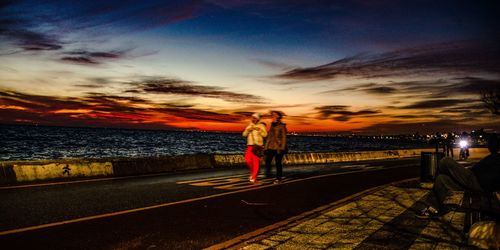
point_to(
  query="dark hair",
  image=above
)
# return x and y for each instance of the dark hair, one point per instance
(493, 143)
(279, 113)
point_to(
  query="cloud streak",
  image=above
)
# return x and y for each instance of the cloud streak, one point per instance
(430, 91)
(92, 58)
(457, 57)
(435, 104)
(342, 113)
(185, 88)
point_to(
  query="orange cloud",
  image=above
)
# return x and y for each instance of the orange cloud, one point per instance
(12, 107)
(74, 111)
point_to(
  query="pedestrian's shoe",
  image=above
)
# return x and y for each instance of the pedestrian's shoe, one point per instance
(276, 181)
(427, 213)
(253, 181)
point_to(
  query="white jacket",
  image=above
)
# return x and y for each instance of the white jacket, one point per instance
(256, 136)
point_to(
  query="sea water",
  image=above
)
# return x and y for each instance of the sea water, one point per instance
(22, 142)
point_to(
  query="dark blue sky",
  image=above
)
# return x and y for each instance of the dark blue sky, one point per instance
(369, 66)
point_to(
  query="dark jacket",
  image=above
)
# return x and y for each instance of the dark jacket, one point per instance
(276, 137)
(487, 172)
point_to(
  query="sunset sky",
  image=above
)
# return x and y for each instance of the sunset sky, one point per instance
(372, 67)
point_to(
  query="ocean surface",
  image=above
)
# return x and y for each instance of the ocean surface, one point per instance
(44, 142)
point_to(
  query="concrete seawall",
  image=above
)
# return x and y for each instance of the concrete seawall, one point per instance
(13, 172)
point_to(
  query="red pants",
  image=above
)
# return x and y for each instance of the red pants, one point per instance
(252, 162)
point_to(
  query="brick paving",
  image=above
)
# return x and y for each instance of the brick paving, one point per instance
(382, 219)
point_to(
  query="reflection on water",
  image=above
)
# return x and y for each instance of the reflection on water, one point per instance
(41, 142)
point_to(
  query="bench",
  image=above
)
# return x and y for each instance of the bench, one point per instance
(480, 206)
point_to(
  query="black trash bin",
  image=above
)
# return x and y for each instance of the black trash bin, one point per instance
(429, 162)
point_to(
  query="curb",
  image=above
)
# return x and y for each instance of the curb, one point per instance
(239, 241)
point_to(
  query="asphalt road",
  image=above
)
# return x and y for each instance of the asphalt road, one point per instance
(177, 211)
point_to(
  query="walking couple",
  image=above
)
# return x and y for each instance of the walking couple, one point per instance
(274, 146)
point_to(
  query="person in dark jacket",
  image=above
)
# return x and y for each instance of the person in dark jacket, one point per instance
(276, 146)
(449, 144)
(484, 176)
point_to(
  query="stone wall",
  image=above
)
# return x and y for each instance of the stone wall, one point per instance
(12, 172)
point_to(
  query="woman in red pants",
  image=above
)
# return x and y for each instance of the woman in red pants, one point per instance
(255, 133)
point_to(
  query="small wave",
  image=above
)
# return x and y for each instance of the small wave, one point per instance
(40, 142)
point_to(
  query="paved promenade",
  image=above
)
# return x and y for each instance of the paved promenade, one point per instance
(380, 218)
